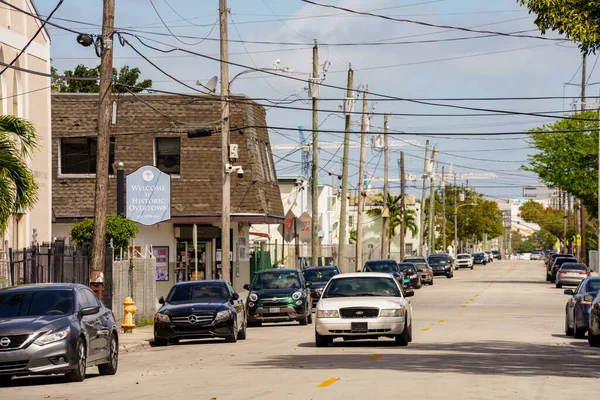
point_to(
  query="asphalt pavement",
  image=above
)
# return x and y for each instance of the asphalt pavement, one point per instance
(496, 332)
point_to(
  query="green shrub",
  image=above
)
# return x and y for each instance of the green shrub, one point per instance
(120, 229)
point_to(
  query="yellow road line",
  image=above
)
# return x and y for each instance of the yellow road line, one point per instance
(463, 306)
(441, 320)
(471, 299)
(425, 329)
(328, 382)
(375, 357)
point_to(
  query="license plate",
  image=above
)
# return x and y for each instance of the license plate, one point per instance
(275, 310)
(359, 327)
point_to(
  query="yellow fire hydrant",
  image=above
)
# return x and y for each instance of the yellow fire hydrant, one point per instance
(130, 309)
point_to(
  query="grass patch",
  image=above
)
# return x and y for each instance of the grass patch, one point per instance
(145, 322)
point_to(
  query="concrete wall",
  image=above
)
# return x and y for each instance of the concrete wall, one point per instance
(144, 288)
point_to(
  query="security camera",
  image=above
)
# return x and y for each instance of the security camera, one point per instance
(240, 173)
(237, 168)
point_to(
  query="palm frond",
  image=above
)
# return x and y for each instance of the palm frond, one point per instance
(21, 129)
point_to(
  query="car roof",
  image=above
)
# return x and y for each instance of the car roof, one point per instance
(573, 263)
(320, 268)
(386, 260)
(414, 258)
(364, 275)
(44, 286)
(464, 254)
(278, 269)
(202, 281)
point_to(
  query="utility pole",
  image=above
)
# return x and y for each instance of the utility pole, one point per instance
(565, 216)
(598, 253)
(361, 181)
(431, 243)
(314, 229)
(348, 106)
(103, 149)
(386, 207)
(455, 217)
(582, 217)
(423, 194)
(402, 205)
(443, 186)
(226, 192)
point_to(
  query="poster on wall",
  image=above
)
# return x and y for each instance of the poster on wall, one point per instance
(243, 250)
(161, 253)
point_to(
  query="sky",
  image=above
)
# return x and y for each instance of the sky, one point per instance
(480, 66)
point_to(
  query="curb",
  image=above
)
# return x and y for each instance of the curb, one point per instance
(134, 347)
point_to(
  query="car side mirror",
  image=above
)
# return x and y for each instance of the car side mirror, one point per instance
(569, 292)
(247, 286)
(409, 293)
(235, 296)
(588, 297)
(308, 284)
(89, 311)
(161, 300)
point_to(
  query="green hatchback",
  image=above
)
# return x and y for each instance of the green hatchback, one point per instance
(278, 295)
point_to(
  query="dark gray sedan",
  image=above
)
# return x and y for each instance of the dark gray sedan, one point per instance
(55, 329)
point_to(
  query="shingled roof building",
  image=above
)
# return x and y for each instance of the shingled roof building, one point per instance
(151, 129)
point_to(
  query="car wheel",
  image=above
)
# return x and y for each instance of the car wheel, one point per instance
(449, 276)
(419, 284)
(578, 333)
(5, 380)
(309, 318)
(403, 339)
(547, 278)
(568, 331)
(304, 321)
(234, 336)
(110, 368)
(593, 340)
(558, 285)
(78, 374)
(160, 342)
(242, 332)
(431, 282)
(322, 341)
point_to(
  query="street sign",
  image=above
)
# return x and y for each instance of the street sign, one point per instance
(148, 196)
(578, 240)
(304, 230)
(287, 229)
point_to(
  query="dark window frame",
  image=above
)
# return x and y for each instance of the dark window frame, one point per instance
(83, 163)
(160, 159)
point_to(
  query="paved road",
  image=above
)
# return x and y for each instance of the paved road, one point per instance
(492, 333)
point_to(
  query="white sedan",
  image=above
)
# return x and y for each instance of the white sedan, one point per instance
(365, 305)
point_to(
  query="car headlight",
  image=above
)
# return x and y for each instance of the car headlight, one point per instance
(221, 315)
(162, 317)
(53, 336)
(396, 312)
(328, 314)
(297, 295)
(253, 297)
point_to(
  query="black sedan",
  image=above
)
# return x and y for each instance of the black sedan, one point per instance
(200, 309)
(578, 306)
(412, 273)
(318, 277)
(55, 329)
(388, 267)
(594, 322)
(480, 258)
(442, 264)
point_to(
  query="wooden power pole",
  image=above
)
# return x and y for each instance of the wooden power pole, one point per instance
(361, 181)
(386, 207)
(423, 194)
(582, 216)
(103, 148)
(314, 228)
(431, 241)
(348, 106)
(443, 187)
(402, 205)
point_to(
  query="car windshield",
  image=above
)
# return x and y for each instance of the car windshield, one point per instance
(405, 267)
(463, 256)
(276, 280)
(581, 267)
(360, 287)
(438, 259)
(478, 255)
(421, 266)
(415, 260)
(201, 292)
(36, 303)
(593, 285)
(383, 266)
(320, 275)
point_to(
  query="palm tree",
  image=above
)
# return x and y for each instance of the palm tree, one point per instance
(395, 206)
(18, 189)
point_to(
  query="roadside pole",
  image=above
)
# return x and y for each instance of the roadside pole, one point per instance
(314, 228)
(582, 215)
(386, 207)
(455, 217)
(348, 106)
(103, 149)
(402, 205)
(443, 186)
(431, 242)
(361, 181)
(423, 194)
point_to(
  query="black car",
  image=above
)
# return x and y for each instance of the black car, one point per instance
(388, 267)
(318, 277)
(441, 264)
(497, 254)
(577, 311)
(200, 309)
(279, 295)
(55, 328)
(480, 258)
(558, 262)
(412, 273)
(594, 321)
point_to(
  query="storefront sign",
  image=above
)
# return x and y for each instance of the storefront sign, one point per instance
(161, 254)
(148, 196)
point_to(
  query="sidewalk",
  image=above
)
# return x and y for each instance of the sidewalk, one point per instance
(139, 339)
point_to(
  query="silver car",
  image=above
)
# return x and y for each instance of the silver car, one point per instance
(364, 305)
(571, 273)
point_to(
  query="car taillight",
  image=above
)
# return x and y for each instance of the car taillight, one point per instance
(583, 273)
(585, 303)
(562, 272)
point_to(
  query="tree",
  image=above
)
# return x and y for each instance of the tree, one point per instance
(18, 189)
(578, 20)
(395, 219)
(548, 219)
(125, 76)
(118, 229)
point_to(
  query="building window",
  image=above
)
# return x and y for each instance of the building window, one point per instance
(270, 163)
(350, 221)
(259, 161)
(78, 156)
(168, 155)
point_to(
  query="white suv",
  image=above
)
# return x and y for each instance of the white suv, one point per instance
(464, 261)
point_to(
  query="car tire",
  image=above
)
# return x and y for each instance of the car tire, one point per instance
(303, 321)
(404, 338)
(449, 276)
(160, 342)
(322, 341)
(309, 318)
(593, 340)
(578, 333)
(431, 282)
(242, 332)
(78, 374)
(547, 278)
(558, 285)
(419, 284)
(110, 368)
(5, 380)
(568, 331)
(234, 336)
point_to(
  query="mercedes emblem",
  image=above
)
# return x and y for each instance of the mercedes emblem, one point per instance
(4, 342)
(192, 319)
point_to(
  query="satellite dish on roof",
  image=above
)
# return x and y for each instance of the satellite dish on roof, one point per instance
(211, 85)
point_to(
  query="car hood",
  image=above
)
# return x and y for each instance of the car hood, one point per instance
(275, 292)
(29, 325)
(335, 303)
(188, 308)
(318, 285)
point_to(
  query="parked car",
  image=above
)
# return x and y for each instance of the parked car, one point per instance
(198, 310)
(412, 273)
(558, 261)
(55, 328)
(490, 255)
(594, 320)
(423, 267)
(578, 306)
(480, 258)
(536, 255)
(388, 267)
(363, 305)
(318, 277)
(571, 273)
(464, 261)
(497, 255)
(550, 261)
(279, 295)
(442, 264)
